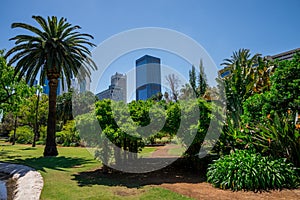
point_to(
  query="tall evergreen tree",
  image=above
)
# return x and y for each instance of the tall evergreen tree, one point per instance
(198, 81)
(192, 79)
(202, 79)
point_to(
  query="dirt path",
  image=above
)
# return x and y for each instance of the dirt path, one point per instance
(206, 191)
(162, 151)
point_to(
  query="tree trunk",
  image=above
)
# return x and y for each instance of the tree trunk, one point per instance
(15, 129)
(36, 126)
(130, 150)
(50, 148)
(135, 149)
(117, 153)
(124, 151)
(105, 156)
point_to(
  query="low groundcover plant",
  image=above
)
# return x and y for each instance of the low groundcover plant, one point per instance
(245, 170)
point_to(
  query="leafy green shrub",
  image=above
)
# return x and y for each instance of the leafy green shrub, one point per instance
(43, 133)
(279, 138)
(68, 136)
(256, 108)
(195, 118)
(40, 142)
(24, 135)
(243, 170)
(233, 138)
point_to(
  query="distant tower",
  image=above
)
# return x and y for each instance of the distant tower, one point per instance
(117, 90)
(83, 84)
(119, 85)
(46, 88)
(148, 77)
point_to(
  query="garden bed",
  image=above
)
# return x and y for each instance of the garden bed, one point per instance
(206, 191)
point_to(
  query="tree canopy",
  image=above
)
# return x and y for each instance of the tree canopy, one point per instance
(53, 50)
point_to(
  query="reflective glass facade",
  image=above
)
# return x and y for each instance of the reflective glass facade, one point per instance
(46, 88)
(148, 77)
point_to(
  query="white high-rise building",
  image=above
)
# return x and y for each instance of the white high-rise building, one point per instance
(117, 90)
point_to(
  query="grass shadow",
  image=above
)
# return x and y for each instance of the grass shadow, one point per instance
(28, 148)
(179, 171)
(5, 154)
(57, 163)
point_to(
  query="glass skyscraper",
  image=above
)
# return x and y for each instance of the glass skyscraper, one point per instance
(46, 88)
(148, 77)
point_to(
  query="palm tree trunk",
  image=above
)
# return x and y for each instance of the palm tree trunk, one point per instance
(50, 148)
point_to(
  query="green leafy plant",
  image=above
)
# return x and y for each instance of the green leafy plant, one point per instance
(279, 137)
(42, 138)
(233, 138)
(195, 117)
(68, 136)
(245, 170)
(24, 135)
(256, 108)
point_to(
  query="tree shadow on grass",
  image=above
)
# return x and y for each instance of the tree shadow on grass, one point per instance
(5, 154)
(28, 148)
(56, 163)
(180, 171)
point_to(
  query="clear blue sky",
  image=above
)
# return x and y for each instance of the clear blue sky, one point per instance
(220, 26)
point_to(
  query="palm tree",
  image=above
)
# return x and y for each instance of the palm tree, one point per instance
(263, 73)
(240, 83)
(186, 92)
(56, 50)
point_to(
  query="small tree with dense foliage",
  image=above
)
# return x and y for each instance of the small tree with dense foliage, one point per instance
(34, 119)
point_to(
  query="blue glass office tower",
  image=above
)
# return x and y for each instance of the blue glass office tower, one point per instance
(148, 77)
(46, 88)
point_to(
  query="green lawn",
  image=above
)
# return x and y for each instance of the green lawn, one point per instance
(147, 151)
(61, 175)
(177, 151)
